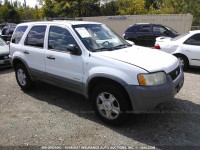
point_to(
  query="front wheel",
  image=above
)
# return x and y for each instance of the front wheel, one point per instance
(23, 78)
(111, 104)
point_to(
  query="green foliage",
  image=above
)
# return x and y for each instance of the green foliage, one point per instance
(110, 9)
(84, 8)
(8, 12)
(131, 7)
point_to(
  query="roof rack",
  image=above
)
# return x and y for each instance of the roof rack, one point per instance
(54, 19)
(64, 18)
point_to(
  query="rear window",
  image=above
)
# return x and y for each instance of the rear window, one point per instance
(5, 31)
(36, 36)
(132, 29)
(18, 34)
(179, 37)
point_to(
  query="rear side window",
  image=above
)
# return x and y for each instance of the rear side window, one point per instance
(132, 29)
(145, 29)
(18, 34)
(35, 36)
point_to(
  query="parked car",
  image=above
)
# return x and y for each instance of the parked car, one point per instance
(145, 34)
(185, 47)
(4, 54)
(89, 59)
(7, 32)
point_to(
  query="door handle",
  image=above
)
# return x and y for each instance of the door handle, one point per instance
(25, 52)
(51, 57)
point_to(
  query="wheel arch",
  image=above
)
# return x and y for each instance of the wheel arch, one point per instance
(18, 60)
(180, 54)
(93, 82)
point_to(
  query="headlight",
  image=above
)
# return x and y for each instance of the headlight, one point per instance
(153, 79)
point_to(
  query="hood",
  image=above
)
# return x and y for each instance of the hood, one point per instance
(4, 49)
(151, 60)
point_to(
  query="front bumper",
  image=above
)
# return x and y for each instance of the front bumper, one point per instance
(5, 62)
(147, 98)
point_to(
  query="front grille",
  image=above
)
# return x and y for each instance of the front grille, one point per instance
(174, 74)
(2, 57)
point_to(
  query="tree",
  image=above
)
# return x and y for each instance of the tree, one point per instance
(131, 7)
(110, 9)
(48, 8)
(8, 12)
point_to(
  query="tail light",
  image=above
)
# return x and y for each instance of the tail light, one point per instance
(157, 46)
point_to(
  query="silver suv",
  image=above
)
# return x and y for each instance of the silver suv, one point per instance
(90, 59)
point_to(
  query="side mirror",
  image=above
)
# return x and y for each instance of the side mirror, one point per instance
(73, 49)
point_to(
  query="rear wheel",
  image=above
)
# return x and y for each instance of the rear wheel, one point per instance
(183, 61)
(111, 104)
(23, 78)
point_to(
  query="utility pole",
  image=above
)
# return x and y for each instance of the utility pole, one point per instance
(26, 10)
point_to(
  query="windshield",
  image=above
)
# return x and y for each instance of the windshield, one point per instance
(2, 42)
(98, 37)
(172, 30)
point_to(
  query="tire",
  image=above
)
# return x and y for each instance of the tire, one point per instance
(111, 104)
(183, 62)
(23, 78)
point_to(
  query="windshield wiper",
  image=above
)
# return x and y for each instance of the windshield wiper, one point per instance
(121, 46)
(102, 49)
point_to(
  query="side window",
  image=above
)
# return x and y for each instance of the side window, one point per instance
(35, 36)
(160, 30)
(11, 30)
(194, 40)
(5, 31)
(59, 38)
(145, 29)
(18, 34)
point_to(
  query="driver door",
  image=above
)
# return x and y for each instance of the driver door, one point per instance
(62, 67)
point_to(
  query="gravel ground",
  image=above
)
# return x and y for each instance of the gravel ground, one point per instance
(50, 116)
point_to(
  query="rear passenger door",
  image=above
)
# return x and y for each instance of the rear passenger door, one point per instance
(145, 35)
(63, 68)
(33, 51)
